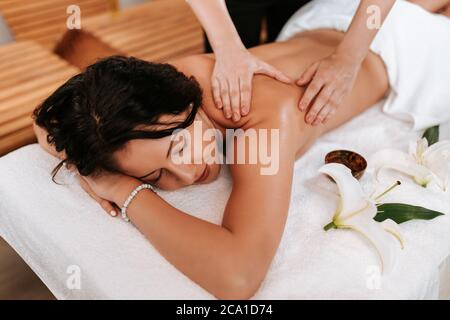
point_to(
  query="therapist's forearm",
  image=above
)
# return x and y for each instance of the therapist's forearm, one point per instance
(360, 35)
(219, 27)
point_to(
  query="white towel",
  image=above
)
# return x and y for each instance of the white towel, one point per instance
(54, 227)
(414, 45)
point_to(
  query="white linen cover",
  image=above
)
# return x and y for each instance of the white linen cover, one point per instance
(54, 227)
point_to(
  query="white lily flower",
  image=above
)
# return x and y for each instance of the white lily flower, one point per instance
(428, 166)
(357, 210)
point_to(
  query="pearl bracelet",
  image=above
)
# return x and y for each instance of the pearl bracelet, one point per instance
(123, 211)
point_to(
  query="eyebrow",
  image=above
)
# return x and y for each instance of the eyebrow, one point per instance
(167, 156)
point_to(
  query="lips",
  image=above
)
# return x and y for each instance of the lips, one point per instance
(204, 175)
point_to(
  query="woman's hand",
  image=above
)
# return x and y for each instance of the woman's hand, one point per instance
(232, 81)
(107, 188)
(108, 206)
(329, 82)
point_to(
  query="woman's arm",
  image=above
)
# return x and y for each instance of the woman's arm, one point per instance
(230, 261)
(331, 79)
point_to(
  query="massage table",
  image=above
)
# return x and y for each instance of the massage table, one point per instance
(61, 232)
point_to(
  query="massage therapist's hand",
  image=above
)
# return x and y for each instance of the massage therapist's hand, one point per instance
(232, 80)
(107, 187)
(328, 82)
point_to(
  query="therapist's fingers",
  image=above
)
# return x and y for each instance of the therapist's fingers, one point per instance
(335, 102)
(235, 98)
(224, 95)
(245, 86)
(308, 74)
(268, 70)
(323, 114)
(216, 92)
(329, 115)
(310, 94)
(322, 100)
(106, 205)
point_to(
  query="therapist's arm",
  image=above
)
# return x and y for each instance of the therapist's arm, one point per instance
(330, 80)
(235, 66)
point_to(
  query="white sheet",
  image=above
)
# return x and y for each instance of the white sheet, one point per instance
(414, 45)
(53, 227)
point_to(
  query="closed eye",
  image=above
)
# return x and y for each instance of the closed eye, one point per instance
(160, 171)
(159, 176)
(151, 179)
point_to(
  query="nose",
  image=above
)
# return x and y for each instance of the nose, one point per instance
(184, 173)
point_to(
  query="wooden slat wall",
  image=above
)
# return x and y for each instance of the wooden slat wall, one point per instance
(155, 31)
(156, 35)
(29, 73)
(44, 21)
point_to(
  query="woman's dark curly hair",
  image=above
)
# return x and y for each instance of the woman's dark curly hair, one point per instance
(96, 112)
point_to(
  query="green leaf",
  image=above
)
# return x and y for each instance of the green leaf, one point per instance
(400, 212)
(432, 135)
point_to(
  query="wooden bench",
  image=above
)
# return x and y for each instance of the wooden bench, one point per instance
(154, 31)
(44, 21)
(29, 74)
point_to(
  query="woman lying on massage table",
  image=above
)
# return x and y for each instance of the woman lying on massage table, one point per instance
(114, 124)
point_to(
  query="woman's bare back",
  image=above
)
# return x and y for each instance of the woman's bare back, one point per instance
(270, 96)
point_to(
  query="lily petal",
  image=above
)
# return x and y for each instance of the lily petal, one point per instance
(400, 161)
(417, 149)
(441, 169)
(378, 237)
(392, 227)
(437, 159)
(441, 147)
(353, 198)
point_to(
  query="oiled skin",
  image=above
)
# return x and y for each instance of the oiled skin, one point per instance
(270, 96)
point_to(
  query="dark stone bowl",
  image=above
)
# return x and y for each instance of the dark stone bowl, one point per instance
(352, 160)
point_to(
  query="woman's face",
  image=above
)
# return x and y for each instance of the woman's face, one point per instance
(156, 161)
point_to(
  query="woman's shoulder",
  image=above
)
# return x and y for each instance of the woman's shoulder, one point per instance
(275, 100)
(193, 63)
(201, 68)
(271, 99)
